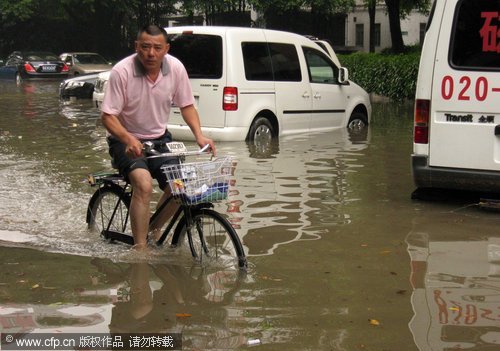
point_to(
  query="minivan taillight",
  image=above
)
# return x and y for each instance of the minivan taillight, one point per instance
(230, 99)
(421, 128)
(65, 68)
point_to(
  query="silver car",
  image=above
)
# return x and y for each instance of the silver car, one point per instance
(80, 63)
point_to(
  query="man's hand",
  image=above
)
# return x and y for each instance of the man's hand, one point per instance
(133, 148)
(202, 141)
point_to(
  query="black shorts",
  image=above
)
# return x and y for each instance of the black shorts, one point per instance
(125, 164)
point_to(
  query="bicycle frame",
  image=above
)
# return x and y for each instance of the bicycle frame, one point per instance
(128, 239)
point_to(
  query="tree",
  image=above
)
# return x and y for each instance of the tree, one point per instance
(321, 18)
(372, 7)
(398, 9)
(393, 10)
(220, 12)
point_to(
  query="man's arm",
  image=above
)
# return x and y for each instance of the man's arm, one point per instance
(190, 115)
(113, 126)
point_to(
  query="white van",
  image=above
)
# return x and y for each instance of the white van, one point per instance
(457, 108)
(252, 84)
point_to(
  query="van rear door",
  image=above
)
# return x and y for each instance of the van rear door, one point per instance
(465, 105)
(202, 55)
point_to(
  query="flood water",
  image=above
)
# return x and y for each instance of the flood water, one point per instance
(340, 256)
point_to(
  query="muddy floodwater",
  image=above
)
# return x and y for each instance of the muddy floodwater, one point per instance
(340, 256)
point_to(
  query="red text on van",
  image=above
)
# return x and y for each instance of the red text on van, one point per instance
(490, 32)
(466, 88)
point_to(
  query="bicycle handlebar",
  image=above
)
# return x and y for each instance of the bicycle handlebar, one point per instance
(150, 152)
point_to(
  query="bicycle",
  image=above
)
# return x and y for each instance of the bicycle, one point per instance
(195, 186)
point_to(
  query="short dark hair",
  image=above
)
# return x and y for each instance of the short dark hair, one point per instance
(152, 29)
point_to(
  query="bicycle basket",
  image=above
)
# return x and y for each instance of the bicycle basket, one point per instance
(197, 182)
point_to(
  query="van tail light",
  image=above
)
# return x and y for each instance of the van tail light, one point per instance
(421, 131)
(230, 99)
(65, 68)
(29, 68)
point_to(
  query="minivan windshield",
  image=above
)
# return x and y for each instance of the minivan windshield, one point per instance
(201, 54)
(475, 43)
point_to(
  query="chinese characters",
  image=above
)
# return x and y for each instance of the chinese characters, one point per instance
(490, 32)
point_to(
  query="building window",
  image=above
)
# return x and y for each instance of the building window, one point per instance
(377, 34)
(360, 34)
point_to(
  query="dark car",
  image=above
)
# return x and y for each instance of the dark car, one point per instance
(34, 64)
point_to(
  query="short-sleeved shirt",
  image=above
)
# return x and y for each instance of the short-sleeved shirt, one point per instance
(143, 106)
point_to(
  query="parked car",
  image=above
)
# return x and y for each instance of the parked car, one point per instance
(100, 88)
(7, 72)
(257, 84)
(33, 65)
(80, 87)
(85, 62)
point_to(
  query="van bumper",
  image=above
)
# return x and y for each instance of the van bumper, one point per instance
(182, 132)
(425, 176)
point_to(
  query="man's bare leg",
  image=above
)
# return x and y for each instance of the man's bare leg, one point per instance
(142, 184)
(164, 216)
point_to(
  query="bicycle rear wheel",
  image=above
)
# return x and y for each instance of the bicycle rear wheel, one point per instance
(106, 201)
(212, 240)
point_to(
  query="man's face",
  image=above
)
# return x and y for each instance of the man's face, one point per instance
(151, 49)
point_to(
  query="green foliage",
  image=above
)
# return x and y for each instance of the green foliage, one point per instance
(22, 10)
(394, 76)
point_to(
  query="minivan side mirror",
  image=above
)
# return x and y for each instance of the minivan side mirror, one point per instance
(343, 75)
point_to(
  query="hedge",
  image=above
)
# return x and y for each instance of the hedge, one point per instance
(393, 76)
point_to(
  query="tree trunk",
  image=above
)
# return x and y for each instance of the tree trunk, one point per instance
(372, 5)
(395, 25)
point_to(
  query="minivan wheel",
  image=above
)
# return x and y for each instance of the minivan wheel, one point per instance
(261, 131)
(357, 122)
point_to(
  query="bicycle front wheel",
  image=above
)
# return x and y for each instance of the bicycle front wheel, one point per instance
(108, 211)
(211, 239)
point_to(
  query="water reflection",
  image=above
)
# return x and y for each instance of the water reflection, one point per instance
(176, 299)
(456, 280)
(107, 297)
(295, 190)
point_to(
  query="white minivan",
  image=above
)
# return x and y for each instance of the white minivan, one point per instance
(252, 84)
(457, 108)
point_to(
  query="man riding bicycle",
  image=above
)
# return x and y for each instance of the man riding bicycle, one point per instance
(135, 109)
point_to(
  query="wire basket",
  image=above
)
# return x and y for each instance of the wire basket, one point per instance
(197, 182)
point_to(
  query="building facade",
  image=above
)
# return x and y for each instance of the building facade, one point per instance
(358, 28)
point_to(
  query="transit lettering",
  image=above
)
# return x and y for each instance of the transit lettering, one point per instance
(459, 118)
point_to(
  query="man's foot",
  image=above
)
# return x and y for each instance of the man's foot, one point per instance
(140, 247)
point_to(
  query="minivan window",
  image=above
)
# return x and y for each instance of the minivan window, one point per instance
(271, 61)
(475, 43)
(321, 70)
(285, 61)
(201, 54)
(257, 61)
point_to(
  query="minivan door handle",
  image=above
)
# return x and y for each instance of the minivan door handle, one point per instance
(497, 130)
(317, 96)
(306, 95)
